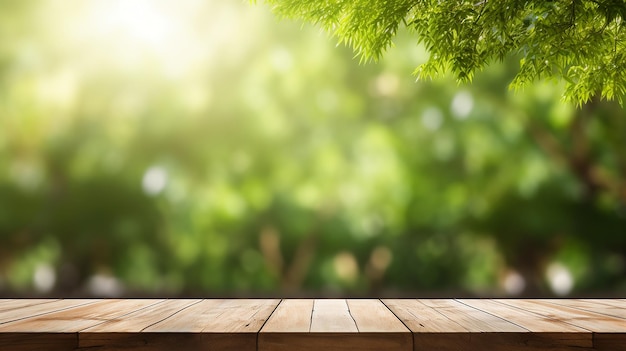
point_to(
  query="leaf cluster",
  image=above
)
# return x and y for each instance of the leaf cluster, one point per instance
(578, 41)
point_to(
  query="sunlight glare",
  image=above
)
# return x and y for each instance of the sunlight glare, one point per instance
(177, 38)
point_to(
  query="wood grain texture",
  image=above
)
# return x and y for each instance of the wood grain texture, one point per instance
(608, 307)
(334, 324)
(307, 324)
(420, 318)
(332, 316)
(555, 333)
(218, 324)
(591, 321)
(76, 319)
(29, 311)
(372, 316)
(14, 304)
(451, 325)
(474, 320)
(291, 316)
(141, 319)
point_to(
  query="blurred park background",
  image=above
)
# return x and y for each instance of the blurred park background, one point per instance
(208, 148)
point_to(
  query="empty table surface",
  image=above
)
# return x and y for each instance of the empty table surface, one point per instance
(313, 324)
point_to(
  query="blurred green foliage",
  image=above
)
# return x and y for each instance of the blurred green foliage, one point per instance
(205, 148)
(578, 42)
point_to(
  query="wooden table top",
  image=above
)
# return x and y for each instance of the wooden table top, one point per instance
(313, 324)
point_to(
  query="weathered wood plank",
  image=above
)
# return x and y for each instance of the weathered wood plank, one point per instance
(12, 315)
(291, 316)
(307, 325)
(555, 334)
(35, 339)
(192, 321)
(609, 333)
(122, 332)
(141, 319)
(608, 307)
(332, 316)
(474, 320)
(450, 325)
(334, 325)
(216, 324)
(525, 319)
(76, 319)
(372, 316)
(13, 304)
(420, 318)
(588, 320)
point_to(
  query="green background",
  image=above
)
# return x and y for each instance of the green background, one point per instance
(208, 148)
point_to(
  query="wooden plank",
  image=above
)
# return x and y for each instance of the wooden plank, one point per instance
(192, 320)
(555, 334)
(138, 341)
(291, 316)
(372, 316)
(38, 341)
(125, 332)
(219, 316)
(334, 325)
(216, 324)
(333, 341)
(450, 325)
(307, 325)
(332, 316)
(242, 316)
(609, 342)
(141, 319)
(9, 316)
(13, 304)
(184, 325)
(35, 339)
(609, 333)
(76, 319)
(612, 308)
(474, 320)
(525, 319)
(584, 319)
(420, 318)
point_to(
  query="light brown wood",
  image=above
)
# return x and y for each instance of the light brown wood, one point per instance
(474, 320)
(219, 316)
(307, 325)
(371, 316)
(291, 316)
(12, 315)
(334, 324)
(420, 318)
(77, 318)
(125, 332)
(35, 339)
(141, 319)
(332, 316)
(527, 320)
(608, 307)
(192, 321)
(451, 325)
(584, 319)
(218, 324)
(13, 304)
(555, 333)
